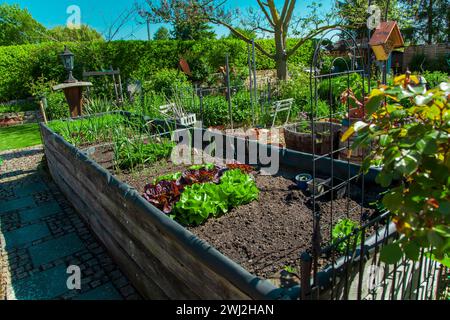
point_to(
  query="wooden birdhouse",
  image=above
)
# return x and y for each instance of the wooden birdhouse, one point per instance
(386, 38)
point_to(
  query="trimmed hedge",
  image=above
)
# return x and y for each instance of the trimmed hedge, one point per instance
(21, 65)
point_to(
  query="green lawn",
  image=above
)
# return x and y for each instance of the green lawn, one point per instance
(17, 137)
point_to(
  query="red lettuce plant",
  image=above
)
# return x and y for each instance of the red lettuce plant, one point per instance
(243, 167)
(163, 195)
(203, 175)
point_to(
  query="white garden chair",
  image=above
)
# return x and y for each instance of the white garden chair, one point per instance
(280, 106)
(171, 110)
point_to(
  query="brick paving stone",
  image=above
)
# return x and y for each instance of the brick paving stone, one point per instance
(44, 235)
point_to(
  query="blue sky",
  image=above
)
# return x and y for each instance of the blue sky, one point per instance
(99, 14)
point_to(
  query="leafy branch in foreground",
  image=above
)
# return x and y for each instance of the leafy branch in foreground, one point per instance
(408, 127)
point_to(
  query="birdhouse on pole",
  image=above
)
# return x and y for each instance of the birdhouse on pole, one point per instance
(386, 38)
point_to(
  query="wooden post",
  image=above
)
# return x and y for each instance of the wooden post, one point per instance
(73, 92)
(75, 101)
(42, 105)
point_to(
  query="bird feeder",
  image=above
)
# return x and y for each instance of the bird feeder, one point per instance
(386, 38)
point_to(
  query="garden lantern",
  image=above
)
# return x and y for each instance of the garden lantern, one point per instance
(386, 38)
(67, 58)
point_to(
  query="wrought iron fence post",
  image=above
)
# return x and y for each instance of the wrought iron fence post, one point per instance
(316, 241)
(200, 95)
(230, 106)
(305, 275)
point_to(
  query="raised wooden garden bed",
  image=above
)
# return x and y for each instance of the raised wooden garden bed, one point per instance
(230, 257)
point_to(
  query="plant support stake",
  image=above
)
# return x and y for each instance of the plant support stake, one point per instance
(230, 109)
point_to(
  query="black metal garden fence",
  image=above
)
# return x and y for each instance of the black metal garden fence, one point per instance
(349, 266)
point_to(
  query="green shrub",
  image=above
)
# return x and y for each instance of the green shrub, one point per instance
(167, 82)
(18, 107)
(57, 107)
(20, 65)
(435, 78)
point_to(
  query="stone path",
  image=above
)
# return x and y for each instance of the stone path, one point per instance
(41, 235)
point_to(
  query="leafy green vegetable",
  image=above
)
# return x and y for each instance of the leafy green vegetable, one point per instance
(197, 194)
(168, 177)
(342, 230)
(198, 202)
(208, 166)
(238, 187)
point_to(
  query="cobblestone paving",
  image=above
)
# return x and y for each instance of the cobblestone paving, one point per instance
(41, 235)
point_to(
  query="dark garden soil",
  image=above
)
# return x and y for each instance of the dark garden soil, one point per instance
(266, 235)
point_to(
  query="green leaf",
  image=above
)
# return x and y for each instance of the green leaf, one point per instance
(374, 102)
(422, 101)
(444, 261)
(444, 208)
(384, 179)
(427, 145)
(360, 125)
(412, 250)
(391, 253)
(392, 200)
(408, 163)
(435, 239)
(385, 140)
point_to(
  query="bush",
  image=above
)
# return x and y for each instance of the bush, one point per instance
(57, 107)
(18, 107)
(19, 65)
(413, 146)
(166, 82)
(435, 78)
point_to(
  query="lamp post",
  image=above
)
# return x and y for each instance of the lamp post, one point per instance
(73, 89)
(68, 61)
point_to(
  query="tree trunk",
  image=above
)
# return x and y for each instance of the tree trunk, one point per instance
(280, 54)
(281, 68)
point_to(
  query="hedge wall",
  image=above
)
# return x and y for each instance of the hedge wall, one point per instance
(20, 65)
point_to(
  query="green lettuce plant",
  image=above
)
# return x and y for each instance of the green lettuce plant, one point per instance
(343, 229)
(200, 201)
(168, 177)
(239, 188)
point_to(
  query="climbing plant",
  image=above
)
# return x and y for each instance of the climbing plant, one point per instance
(408, 128)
